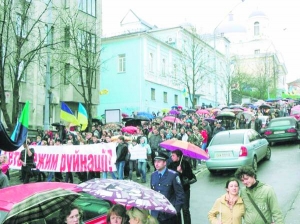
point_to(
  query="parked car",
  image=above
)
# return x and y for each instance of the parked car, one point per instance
(282, 129)
(229, 150)
(94, 209)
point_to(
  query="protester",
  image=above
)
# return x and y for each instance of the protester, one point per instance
(4, 166)
(184, 170)
(122, 150)
(229, 208)
(117, 215)
(70, 215)
(140, 216)
(142, 163)
(255, 124)
(260, 199)
(27, 161)
(168, 183)
(218, 129)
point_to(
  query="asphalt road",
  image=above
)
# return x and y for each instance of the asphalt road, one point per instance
(281, 172)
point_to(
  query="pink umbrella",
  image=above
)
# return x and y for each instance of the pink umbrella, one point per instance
(201, 111)
(129, 129)
(172, 119)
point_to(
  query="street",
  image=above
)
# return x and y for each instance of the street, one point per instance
(281, 172)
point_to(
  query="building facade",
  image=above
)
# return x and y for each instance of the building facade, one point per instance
(145, 68)
(54, 52)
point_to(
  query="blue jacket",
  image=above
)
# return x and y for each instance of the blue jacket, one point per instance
(170, 186)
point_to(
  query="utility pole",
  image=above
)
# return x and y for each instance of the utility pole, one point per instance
(48, 70)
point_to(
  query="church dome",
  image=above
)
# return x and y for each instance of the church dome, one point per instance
(231, 26)
(257, 13)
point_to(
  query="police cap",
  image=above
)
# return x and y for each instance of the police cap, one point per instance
(161, 156)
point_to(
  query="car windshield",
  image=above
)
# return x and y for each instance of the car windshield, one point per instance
(280, 123)
(236, 138)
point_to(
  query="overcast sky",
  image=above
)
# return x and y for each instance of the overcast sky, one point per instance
(284, 19)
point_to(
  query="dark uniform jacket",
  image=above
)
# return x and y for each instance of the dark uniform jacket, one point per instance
(186, 172)
(170, 186)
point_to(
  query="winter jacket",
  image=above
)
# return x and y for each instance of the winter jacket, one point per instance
(154, 141)
(228, 216)
(122, 150)
(265, 198)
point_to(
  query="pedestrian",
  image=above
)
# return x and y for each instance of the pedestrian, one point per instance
(229, 208)
(184, 170)
(255, 123)
(27, 161)
(261, 205)
(140, 216)
(154, 141)
(70, 215)
(117, 215)
(218, 128)
(242, 122)
(142, 163)
(168, 183)
(4, 165)
(122, 150)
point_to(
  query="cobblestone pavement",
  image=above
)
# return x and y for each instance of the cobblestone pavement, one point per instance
(15, 176)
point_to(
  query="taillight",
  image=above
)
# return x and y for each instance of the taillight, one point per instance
(243, 151)
(291, 130)
(268, 132)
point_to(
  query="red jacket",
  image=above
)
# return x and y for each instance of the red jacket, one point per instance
(204, 136)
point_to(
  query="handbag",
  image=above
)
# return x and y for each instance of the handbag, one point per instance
(257, 209)
(186, 180)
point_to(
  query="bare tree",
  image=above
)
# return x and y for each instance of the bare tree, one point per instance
(80, 55)
(193, 65)
(18, 51)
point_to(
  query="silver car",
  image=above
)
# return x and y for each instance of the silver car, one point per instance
(229, 150)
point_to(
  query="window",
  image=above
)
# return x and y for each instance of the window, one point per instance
(174, 71)
(122, 63)
(22, 72)
(176, 99)
(151, 62)
(87, 41)
(21, 26)
(87, 6)
(67, 74)
(163, 67)
(186, 102)
(165, 97)
(195, 101)
(257, 51)
(152, 94)
(256, 28)
(67, 36)
(49, 34)
(88, 77)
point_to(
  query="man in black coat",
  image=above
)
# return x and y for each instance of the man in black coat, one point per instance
(255, 124)
(184, 170)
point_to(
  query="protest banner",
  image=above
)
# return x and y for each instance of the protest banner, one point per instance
(138, 152)
(70, 158)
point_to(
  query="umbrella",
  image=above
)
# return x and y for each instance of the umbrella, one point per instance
(201, 111)
(127, 193)
(225, 114)
(112, 126)
(145, 114)
(188, 149)
(129, 129)
(265, 106)
(141, 118)
(190, 111)
(40, 205)
(172, 119)
(124, 115)
(174, 112)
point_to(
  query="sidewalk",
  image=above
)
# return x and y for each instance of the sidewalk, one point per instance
(14, 176)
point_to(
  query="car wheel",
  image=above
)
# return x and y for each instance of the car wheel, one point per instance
(254, 163)
(268, 153)
(213, 172)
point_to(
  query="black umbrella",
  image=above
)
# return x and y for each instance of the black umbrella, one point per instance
(40, 205)
(264, 106)
(225, 114)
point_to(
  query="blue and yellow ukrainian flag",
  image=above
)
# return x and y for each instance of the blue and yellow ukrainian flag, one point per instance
(82, 117)
(67, 115)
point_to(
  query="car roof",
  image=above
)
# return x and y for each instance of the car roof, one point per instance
(284, 118)
(15, 194)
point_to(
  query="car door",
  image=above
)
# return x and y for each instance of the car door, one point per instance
(261, 145)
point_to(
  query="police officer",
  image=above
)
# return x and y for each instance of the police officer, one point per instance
(168, 183)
